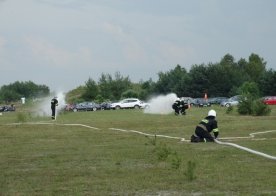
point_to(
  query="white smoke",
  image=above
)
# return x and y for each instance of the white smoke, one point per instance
(161, 104)
(44, 106)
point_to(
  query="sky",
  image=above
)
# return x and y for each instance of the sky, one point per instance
(63, 43)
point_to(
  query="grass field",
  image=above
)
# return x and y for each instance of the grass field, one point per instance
(55, 159)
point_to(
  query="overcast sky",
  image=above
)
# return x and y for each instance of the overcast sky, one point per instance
(61, 43)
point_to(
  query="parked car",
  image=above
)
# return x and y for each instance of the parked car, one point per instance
(7, 108)
(232, 101)
(217, 100)
(105, 106)
(129, 103)
(269, 100)
(200, 102)
(86, 106)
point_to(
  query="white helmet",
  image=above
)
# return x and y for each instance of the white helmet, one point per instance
(212, 113)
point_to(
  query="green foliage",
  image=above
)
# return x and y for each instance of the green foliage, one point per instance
(91, 90)
(255, 68)
(252, 106)
(190, 171)
(129, 93)
(267, 83)
(176, 161)
(225, 78)
(249, 89)
(245, 106)
(153, 141)
(74, 96)
(250, 103)
(230, 109)
(173, 81)
(16, 90)
(162, 151)
(21, 117)
(260, 109)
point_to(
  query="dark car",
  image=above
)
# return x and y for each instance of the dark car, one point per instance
(7, 108)
(105, 106)
(86, 106)
(200, 102)
(217, 100)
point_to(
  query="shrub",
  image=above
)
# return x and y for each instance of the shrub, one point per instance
(190, 172)
(229, 110)
(21, 117)
(260, 109)
(252, 106)
(245, 106)
(162, 152)
(175, 161)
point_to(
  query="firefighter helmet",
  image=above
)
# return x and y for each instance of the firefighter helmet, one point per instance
(212, 113)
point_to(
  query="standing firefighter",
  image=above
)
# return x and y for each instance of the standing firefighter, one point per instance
(205, 127)
(54, 103)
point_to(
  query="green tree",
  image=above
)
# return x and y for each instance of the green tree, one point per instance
(16, 90)
(175, 81)
(199, 83)
(104, 85)
(129, 94)
(91, 90)
(267, 83)
(119, 85)
(255, 68)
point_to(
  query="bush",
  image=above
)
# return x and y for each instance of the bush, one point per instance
(175, 161)
(162, 152)
(245, 106)
(21, 117)
(190, 172)
(260, 109)
(251, 106)
(229, 110)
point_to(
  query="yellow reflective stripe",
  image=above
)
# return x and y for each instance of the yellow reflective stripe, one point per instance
(205, 121)
(215, 130)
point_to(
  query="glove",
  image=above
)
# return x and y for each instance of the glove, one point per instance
(216, 135)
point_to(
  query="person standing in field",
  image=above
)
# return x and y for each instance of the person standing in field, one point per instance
(205, 127)
(54, 104)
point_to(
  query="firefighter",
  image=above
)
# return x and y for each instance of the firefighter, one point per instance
(183, 106)
(54, 103)
(176, 106)
(205, 127)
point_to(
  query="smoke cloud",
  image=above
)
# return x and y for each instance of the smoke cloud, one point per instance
(44, 108)
(161, 104)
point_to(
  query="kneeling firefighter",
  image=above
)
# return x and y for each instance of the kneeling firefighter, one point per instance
(205, 127)
(180, 106)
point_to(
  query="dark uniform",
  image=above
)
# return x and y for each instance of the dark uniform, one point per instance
(54, 103)
(179, 107)
(203, 130)
(176, 107)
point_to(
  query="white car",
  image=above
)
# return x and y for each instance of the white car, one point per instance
(231, 101)
(129, 103)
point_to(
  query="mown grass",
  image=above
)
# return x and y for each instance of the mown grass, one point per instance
(74, 160)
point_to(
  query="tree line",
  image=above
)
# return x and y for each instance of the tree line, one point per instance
(15, 91)
(225, 78)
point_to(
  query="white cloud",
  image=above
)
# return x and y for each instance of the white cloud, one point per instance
(58, 57)
(132, 48)
(2, 44)
(178, 54)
